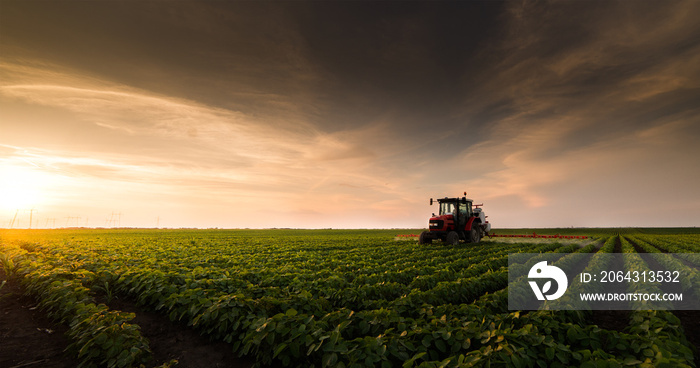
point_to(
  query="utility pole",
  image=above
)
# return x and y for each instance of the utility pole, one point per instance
(31, 213)
(70, 219)
(49, 219)
(13, 219)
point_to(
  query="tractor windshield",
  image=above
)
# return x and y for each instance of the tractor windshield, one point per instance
(447, 208)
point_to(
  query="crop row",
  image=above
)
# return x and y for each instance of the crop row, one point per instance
(684, 246)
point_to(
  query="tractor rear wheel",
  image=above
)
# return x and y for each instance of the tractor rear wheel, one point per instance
(425, 238)
(475, 234)
(452, 238)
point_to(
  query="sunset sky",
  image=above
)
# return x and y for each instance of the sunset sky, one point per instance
(348, 114)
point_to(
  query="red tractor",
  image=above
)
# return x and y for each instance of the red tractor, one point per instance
(458, 219)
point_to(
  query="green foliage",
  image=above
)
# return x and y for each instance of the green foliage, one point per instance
(101, 338)
(8, 264)
(104, 338)
(331, 298)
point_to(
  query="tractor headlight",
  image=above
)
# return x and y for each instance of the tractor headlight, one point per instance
(436, 224)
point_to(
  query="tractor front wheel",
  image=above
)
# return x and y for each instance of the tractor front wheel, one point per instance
(425, 238)
(452, 238)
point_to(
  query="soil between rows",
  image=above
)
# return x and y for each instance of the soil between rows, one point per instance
(27, 337)
(170, 340)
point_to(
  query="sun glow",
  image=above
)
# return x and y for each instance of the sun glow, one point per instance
(21, 188)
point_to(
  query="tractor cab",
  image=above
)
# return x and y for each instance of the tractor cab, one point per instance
(452, 210)
(460, 208)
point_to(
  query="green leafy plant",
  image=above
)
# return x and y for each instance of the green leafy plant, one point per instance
(7, 264)
(104, 337)
(106, 290)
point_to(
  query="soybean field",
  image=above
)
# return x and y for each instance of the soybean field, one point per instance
(335, 298)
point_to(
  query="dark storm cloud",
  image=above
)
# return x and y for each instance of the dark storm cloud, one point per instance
(335, 58)
(592, 60)
(409, 55)
(426, 59)
(235, 55)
